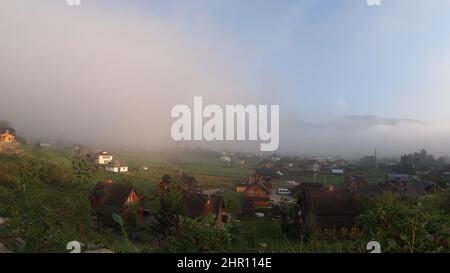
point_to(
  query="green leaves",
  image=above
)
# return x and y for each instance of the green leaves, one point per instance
(403, 226)
(199, 235)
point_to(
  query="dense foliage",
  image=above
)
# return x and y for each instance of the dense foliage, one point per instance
(408, 226)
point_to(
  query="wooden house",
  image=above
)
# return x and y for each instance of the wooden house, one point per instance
(198, 205)
(329, 208)
(190, 184)
(107, 198)
(7, 137)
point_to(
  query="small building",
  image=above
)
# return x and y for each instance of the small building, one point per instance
(293, 171)
(103, 158)
(330, 208)
(263, 174)
(313, 166)
(226, 159)
(7, 137)
(108, 198)
(353, 182)
(9, 143)
(341, 163)
(198, 205)
(426, 187)
(116, 167)
(256, 196)
(404, 178)
(190, 184)
(297, 190)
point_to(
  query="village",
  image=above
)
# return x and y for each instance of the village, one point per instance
(264, 195)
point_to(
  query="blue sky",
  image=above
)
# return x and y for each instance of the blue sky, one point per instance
(325, 58)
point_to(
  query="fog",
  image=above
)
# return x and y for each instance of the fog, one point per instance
(84, 76)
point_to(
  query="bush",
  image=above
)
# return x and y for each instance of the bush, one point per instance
(199, 235)
(402, 226)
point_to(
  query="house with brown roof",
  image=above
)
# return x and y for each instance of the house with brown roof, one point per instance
(256, 195)
(426, 187)
(330, 208)
(9, 143)
(198, 205)
(190, 184)
(263, 174)
(293, 171)
(108, 198)
(354, 182)
(297, 190)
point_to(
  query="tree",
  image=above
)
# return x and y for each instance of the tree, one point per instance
(403, 226)
(368, 162)
(5, 124)
(405, 166)
(171, 207)
(83, 173)
(420, 161)
(233, 206)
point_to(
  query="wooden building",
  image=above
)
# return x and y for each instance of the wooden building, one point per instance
(108, 198)
(329, 208)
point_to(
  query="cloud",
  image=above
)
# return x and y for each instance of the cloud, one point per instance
(355, 136)
(110, 78)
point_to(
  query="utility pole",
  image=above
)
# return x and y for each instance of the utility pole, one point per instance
(376, 162)
(178, 152)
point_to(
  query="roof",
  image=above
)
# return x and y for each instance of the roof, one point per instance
(257, 198)
(3, 130)
(398, 176)
(263, 187)
(114, 195)
(425, 185)
(307, 185)
(293, 169)
(331, 208)
(264, 171)
(198, 204)
(191, 183)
